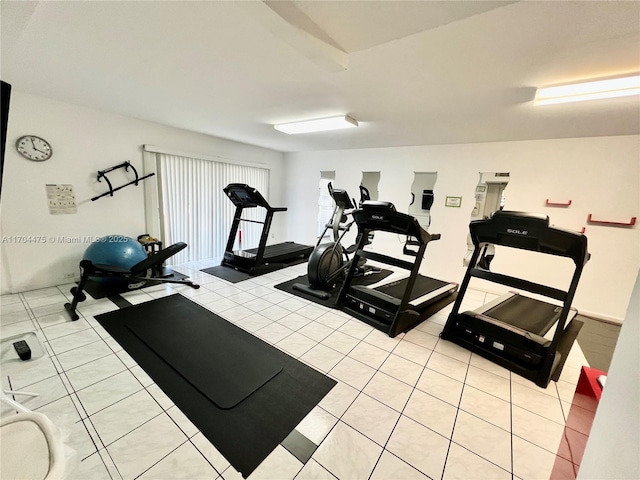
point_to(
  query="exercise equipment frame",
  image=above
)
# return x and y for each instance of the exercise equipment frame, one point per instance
(385, 312)
(504, 341)
(139, 273)
(265, 258)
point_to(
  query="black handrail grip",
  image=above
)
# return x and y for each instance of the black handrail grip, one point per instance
(102, 175)
(519, 283)
(127, 164)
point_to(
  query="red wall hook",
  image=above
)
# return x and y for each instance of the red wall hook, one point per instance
(557, 204)
(631, 222)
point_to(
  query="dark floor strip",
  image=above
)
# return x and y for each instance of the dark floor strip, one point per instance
(299, 446)
(119, 301)
(597, 339)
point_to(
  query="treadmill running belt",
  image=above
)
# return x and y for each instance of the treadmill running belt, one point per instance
(529, 314)
(422, 286)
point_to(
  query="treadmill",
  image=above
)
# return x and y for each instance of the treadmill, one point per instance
(399, 305)
(515, 330)
(265, 258)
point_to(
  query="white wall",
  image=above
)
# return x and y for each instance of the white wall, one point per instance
(85, 141)
(613, 448)
(599, 175)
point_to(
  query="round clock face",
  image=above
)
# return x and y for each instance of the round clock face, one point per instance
(34, 148)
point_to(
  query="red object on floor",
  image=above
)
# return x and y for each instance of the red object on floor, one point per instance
(588, 382)
(578, 424)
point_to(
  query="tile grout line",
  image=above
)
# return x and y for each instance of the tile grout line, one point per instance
(511, 424)
(360, 342)
(455, 419)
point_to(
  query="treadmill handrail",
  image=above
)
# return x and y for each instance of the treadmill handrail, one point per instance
(520, 283)
(531, 232)
(380, 257)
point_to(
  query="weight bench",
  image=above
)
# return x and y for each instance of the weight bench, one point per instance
(141, 272)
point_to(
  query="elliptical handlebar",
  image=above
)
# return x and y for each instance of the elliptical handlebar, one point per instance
(364, 195)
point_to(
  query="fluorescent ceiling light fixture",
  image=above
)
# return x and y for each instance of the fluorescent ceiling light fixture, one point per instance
(317, 125)
(592, 90)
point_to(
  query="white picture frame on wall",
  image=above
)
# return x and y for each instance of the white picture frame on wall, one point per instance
(455, 202)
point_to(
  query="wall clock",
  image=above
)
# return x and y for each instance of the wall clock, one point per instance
(34, 148)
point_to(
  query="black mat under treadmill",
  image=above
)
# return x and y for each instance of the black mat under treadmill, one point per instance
(368, 279)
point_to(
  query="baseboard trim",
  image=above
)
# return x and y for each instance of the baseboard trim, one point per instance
(601, 317)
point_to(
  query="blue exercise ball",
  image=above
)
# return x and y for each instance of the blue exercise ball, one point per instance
(117, 251)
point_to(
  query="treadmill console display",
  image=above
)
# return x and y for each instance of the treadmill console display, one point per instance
(382, 216)
(341, 197)
(245, 196)
(528, 231)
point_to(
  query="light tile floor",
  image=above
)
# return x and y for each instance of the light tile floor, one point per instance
(410, 407)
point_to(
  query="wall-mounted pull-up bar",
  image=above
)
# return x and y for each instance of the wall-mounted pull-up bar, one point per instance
(126, 165)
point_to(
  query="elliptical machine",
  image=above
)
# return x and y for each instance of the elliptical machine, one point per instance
(329, 262)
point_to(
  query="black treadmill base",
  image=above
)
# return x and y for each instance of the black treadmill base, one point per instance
(233, 274)
(285, 252)
(536, 375)
(403, 321)
(384, 308)
(275, 258)
(549, 367)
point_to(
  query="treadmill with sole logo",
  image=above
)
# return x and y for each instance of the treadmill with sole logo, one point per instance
(515, 330)
(394, 306)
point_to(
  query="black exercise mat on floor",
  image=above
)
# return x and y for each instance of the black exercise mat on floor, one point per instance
(248, 432)
(236, 368)
(226, 273)
(235, 276)
(369, 279)
(98, 289)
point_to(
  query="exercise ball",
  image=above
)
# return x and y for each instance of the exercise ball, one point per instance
(116, 251)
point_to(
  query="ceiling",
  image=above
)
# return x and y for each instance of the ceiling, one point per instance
(411, 72)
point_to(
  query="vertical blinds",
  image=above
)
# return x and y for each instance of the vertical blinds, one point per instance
(195, 210)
